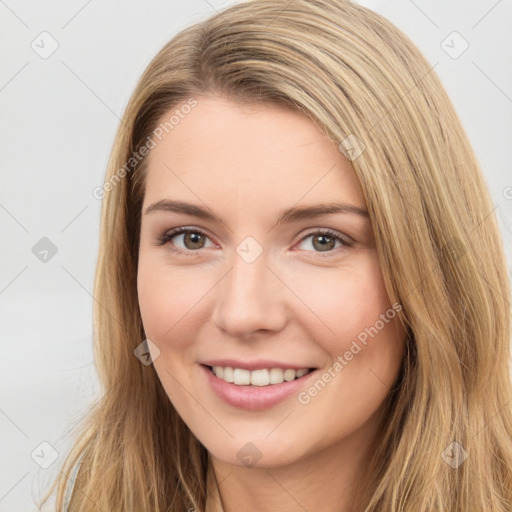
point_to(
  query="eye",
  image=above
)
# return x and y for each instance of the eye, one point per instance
(192, 239)
(326, 241)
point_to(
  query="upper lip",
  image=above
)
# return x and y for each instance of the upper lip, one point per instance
(258, 364)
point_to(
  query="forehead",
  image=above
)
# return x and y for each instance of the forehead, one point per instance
(260, 153)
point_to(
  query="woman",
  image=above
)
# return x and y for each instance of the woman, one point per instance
(302, 301)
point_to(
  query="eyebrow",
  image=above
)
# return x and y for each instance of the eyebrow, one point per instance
(288, 215)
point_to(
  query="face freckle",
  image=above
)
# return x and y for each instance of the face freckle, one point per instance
(241, 287)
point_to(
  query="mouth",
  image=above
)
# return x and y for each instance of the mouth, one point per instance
(264, 377)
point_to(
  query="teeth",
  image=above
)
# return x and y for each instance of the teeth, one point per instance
(225, 373)
(289, 375)
(276, 376)
(242, 377)
(260, 378)
(263, 377)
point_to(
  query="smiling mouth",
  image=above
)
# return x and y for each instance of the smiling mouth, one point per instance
(258, 378)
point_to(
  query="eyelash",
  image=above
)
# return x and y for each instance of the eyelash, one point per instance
(167, 237)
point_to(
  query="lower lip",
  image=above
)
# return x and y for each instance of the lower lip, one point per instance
(254, 398)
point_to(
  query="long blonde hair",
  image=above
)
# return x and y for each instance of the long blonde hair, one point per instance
(360, 80)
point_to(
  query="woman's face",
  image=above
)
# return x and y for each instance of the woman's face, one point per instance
(266, 279)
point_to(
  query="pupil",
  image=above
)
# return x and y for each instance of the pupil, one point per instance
(195, 238)
(323, 246)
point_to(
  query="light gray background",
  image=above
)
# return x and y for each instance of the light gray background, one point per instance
(58, 118)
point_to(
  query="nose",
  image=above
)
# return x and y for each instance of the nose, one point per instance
(250, 298)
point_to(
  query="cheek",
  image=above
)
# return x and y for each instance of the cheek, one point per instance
(170, 300)
(344, 302)
(154, 303)
(166, 301)
(162, 298)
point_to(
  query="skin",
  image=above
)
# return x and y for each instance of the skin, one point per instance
(297, 302)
